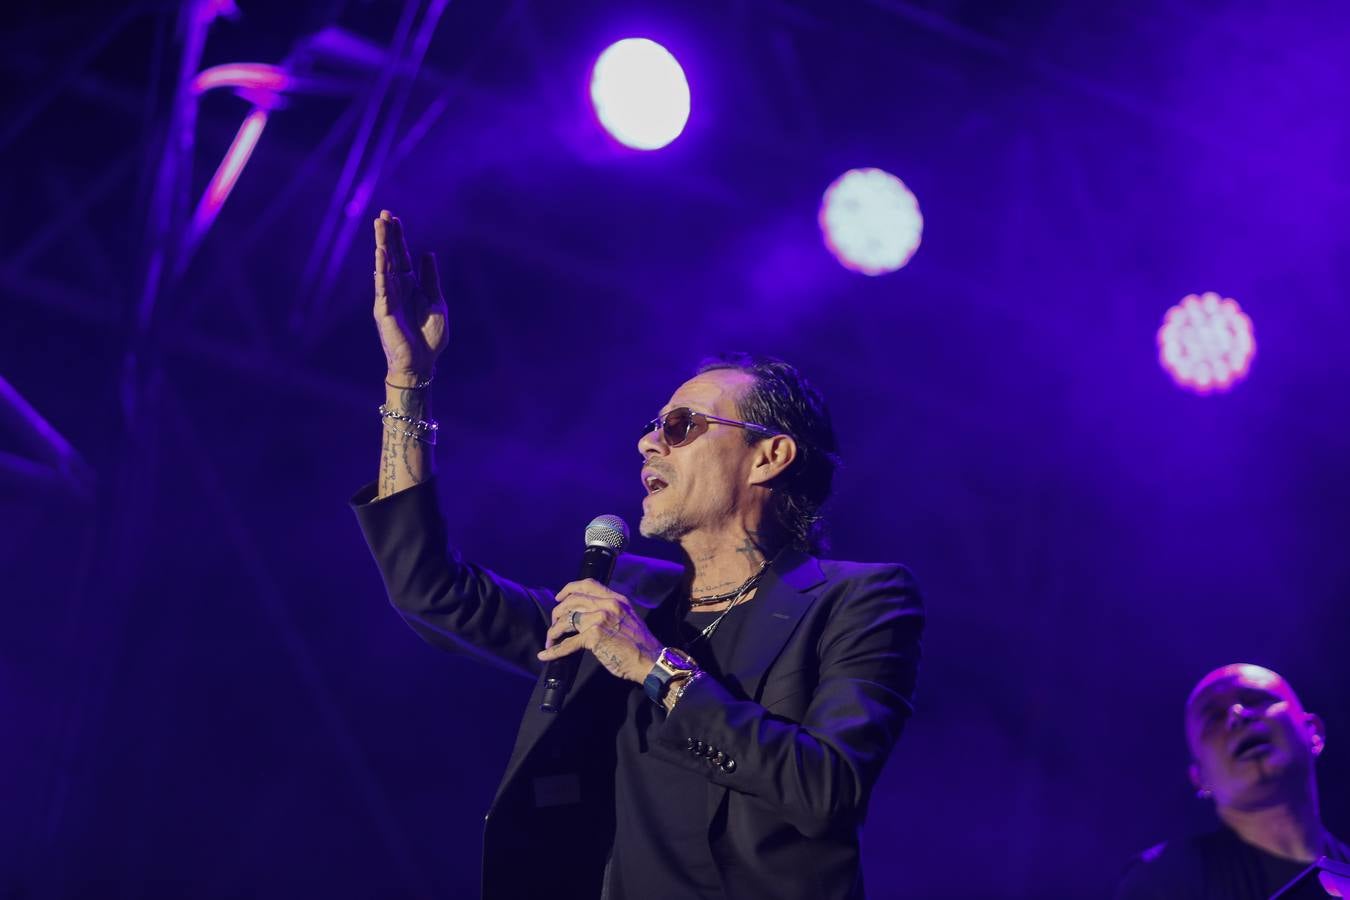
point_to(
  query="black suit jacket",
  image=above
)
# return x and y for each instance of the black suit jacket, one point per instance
(812, 700)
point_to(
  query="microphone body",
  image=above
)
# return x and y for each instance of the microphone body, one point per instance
(606, 537)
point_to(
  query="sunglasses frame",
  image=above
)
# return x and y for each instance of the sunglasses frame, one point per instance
(698, 423)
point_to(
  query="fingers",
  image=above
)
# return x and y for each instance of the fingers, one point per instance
(564, 629)
(589, 612)
(395, 242)
(394, 278)
(562, 648)
(589, 587)
(386, 286)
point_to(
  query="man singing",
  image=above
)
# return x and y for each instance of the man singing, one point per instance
(730, 717)
(1253, 748)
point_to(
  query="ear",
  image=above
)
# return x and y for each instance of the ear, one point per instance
(1317, 732)
(772, 458)
(1193, 771)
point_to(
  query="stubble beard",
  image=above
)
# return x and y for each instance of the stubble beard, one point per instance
(662, 527)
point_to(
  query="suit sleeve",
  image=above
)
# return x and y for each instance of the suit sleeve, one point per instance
(819, 772)
(451, 604)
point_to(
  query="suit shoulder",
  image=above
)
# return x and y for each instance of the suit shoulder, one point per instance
(645, 580)
(839, 570)
(632, 564)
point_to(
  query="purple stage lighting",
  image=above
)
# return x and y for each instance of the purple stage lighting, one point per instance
(245, 76)
(227, 174)
(870, 220)
(1205, 343)
(640, 94)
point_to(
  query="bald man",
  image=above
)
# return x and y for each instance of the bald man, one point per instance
(1253, 748)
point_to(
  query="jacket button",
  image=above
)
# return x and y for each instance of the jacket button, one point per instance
(709, 750)
(716, 759)
(729, 766)
(689, 744)
(696, 747)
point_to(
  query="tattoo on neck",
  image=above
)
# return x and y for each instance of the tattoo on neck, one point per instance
(753, 548)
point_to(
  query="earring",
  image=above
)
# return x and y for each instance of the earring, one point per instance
(1204, 794)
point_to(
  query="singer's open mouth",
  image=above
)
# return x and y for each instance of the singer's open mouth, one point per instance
(653, 484)
(1253, 746)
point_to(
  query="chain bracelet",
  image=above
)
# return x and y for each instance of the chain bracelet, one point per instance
(426, 437)
(423, 429)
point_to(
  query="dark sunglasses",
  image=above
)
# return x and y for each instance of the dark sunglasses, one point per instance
(681, 425)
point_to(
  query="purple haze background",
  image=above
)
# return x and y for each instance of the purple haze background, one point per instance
(206, 691)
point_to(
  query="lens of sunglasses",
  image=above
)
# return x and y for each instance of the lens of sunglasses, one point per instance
(676, 425)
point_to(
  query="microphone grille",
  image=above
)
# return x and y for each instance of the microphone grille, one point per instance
(607, 531)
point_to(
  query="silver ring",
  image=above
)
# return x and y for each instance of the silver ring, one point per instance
(573, 620)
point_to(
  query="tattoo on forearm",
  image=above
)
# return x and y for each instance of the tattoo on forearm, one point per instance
(415, 472)
(388, 467)
(402, 448)
(410, 403)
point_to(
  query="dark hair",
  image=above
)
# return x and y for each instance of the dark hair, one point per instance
(783, 400)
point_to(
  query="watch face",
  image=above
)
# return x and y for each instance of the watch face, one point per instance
(677, 660)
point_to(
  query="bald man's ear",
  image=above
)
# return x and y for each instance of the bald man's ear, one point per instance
(1193, 771)
(772, 458)
(1317, 733)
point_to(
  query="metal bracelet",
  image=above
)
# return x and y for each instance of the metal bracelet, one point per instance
(419, 424)
(684, 686)
(428, 437)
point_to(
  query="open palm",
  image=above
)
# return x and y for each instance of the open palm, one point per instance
(410, 310)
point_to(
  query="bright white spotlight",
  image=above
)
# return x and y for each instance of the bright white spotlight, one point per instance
(1206, 343)
(870, 220)
(640, 94)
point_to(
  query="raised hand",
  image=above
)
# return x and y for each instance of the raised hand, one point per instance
(410, 310)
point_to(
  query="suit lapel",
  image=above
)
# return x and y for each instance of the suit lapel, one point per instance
(783, 598)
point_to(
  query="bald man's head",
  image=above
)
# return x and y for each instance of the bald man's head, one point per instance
(1250, 738)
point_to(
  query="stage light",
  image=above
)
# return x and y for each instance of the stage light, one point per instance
(640, 94)
(227, 174)
(247, 76)
(1206, 343)
(870, 221)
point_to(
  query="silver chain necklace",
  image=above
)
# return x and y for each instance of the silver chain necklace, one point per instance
(747, 584)
(736, 598)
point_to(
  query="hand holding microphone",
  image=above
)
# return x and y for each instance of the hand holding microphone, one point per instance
(606, 537)
(589, 616)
